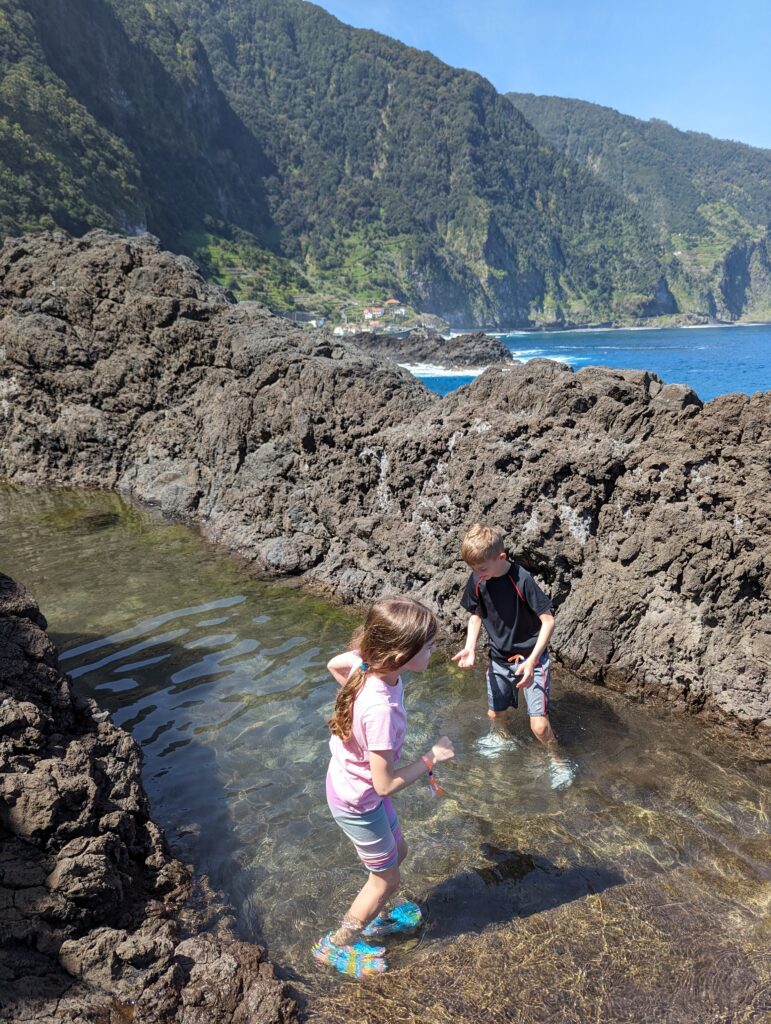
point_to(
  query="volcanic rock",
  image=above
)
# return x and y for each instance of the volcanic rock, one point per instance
(642, 510)
(461, 351)
(96, 916)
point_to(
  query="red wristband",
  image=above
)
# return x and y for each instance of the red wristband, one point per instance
(438, 791)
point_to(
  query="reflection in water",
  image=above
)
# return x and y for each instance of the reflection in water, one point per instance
(221, 679)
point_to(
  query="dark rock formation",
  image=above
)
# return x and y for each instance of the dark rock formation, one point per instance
(465, 350)
(644, 512)
(742, 281)
(95, 911)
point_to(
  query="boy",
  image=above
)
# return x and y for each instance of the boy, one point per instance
(518, 619)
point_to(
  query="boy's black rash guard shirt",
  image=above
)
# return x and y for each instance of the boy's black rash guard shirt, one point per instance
(510, 620)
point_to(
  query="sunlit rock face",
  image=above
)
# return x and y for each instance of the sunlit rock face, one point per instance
(97, 921)
(643, 511)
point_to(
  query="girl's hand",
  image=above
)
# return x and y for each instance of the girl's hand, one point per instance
(342, 665)
(465, 658)
(442, 750)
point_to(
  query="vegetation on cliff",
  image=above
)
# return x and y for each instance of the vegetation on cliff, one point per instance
(335, 161)
(708, 200)
(301, 161)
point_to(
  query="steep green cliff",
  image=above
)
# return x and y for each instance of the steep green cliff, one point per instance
(708, 200)
(59, 167)
(303, 161)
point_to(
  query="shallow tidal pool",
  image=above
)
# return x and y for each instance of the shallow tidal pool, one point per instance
(637, 891)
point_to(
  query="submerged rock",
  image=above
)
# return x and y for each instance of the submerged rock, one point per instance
(608, 956)
(97, 918)
(642, 510)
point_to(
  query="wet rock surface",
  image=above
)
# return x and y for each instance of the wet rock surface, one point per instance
(464, 350)
(99, 922)
(643, 511)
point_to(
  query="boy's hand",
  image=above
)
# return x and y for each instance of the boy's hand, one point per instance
(525, 671)
(442, 750)
(465, 658)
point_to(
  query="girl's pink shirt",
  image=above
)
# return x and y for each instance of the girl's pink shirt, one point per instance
(379, 723)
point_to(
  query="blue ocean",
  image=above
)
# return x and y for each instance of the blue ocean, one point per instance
(711, 360)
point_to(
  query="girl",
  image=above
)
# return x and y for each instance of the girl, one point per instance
(368, 729)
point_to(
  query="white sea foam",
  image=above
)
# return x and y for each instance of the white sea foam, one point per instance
(488, 334)
(434, 370)
(526, 354)
(431, 370)
(573, 330)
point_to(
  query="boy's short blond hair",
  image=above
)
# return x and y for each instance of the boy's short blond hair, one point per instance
(480, 543)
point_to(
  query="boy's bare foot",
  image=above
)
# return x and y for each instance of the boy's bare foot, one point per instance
(499, 739)
(562, 771)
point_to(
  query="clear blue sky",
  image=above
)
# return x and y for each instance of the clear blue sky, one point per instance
(702, 65)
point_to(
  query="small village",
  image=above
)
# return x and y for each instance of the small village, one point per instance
(391, 317)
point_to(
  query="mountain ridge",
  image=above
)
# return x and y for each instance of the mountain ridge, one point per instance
(303, 162)
(708, 200)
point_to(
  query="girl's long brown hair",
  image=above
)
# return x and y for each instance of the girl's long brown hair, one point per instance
(395, 629)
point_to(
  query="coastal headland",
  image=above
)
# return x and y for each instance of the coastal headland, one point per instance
(640, 508)
(471, 350)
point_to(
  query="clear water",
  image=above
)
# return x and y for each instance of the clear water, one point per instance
(711, 360)
(220, 677)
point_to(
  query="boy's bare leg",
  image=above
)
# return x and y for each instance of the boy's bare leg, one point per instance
(501, 723)
(561, 769)
(542, 730)
(499, 737)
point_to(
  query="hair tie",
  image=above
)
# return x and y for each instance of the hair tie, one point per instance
(363, 666)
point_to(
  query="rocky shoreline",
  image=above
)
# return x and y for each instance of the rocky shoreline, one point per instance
(465, 351)
(100, 923)
(661, 321)
(640, 508)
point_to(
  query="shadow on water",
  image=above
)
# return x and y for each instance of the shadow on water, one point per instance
(511, 884)
(575, 713)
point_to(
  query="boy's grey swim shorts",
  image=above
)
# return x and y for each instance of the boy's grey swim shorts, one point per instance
(502, 689)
